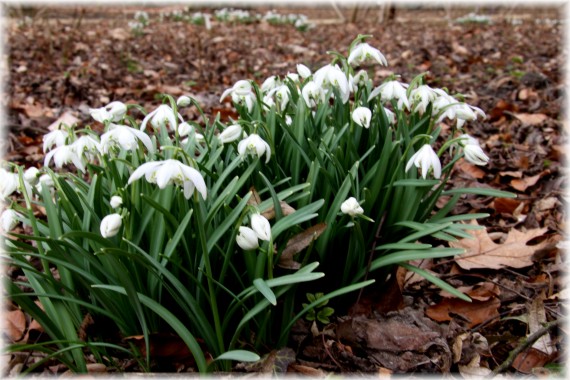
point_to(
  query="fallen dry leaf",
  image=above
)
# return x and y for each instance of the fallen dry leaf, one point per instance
(471, 170)
(536, 318)
(15, 325)
(527, 360)
(482, 252)
(531, 118)
(505, 205)
(66, 119)
(475, 312)
(524, 183)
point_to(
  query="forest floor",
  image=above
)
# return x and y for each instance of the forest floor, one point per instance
(63, 61)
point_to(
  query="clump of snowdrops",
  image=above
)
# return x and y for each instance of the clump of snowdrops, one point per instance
(213, 231)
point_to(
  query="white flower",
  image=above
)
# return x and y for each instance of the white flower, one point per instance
(268, 102)
(303, 71)
(288, 120)
(351, 207)
(313, 94)
(112, 112)
(254, 145)
(116, 201)
(184, 129)
(160, 117)
(293, 77)
(9, 183)
(110, 225)
(281, 96)
(64, 155)
(231, 133)
(362, 116)
(198, 137)
(8, 220)
(183, 101)
(241, 92)
(268, 85)
(391, 90)
(421, 97)
(247, 239)
(362, 52)
(332, 76)
(425, 158)
(473, 151)
(45, 180)
(126, 137)
(261, 227)
(390, 116)
(466, 112)
(31, 176)
(56, 137)
(86, 144)
(448, 106)
(170, 171)
(360, 79)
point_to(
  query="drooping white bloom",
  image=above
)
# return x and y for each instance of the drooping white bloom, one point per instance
(363, 52)
(125, 137)
(304, 71)
(160, 117)
(110, 225)
(112, 112)
(332, 76)
(86, 144)
(390, 116)
(421, 96)
(281, 94)
(8, 220)
(362, 116)
(288, 120)
(57, 138)
(31, 175)
(242, 93)
(198, 137)
(466, 112)
(230, 134)
(116, 201)
(447, 106)
(171, 171)
(64, 155)
(392, 90)
(269, 84)
(425, 158)
(473, 151)
(45, 181)
(9, 182)
(184, 129)
(254, 145)
(260, 225)
(293, 77)
(360, 79)
(268, 102)
(313, 94)
(183, 101)
(247, 239)
(351, 207)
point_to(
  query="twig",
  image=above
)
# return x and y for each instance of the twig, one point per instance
(529, 341)
(376, 238)
(329, 353)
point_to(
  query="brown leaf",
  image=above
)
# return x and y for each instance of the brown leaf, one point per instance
(66, 119)
(163, 346)
(285, 208)
(524, 183)
(482, 252)
(505, 205)
(531, 118)
(475, 312)
(529, 359)
(15, 325)
(297, 243)
(536, 319)
(471, 170)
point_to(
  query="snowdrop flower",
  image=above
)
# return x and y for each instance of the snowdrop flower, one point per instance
(281, 96)
(57, 138)
(170, 171)
(184, 129)
(268, 102)
(254, 145)
(304, 71)
(64, 155)
(351, 207)
(86, 147)
(31, 176)
(183, 101)
(110, 225)
(112, 112)
(293, 77)
(242, 93)
(45, 181)
(160, 116)
(466, 112)
(198, 137)
(230, 134)
(8, 220)
(260, 225)
(362, 52)
(313, 94)
(247, 239)
(332, 76)
(269, 84)
(425, 158)
(116, 201)
(391, 90)
(421, 96)
(473, 151)
(390, 116)
(9, 183)
(125, 137)
(362, 116)
(288, 120)
(360, 79)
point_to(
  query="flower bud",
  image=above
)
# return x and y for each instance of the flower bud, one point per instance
(303, 71)
(351, 207)
(8, 220)
(231, 133)
(116, 201)
(261, 227)
(110, 225)
(183, 101)
(31, 176)
(247, 239)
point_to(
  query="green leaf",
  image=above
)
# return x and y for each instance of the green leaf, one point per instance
(436, 281)
(481, 191)
(264, 289)
(239, 355)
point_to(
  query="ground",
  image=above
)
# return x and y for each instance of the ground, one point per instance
(62, 61)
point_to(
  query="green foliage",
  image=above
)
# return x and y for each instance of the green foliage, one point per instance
(321, 312)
